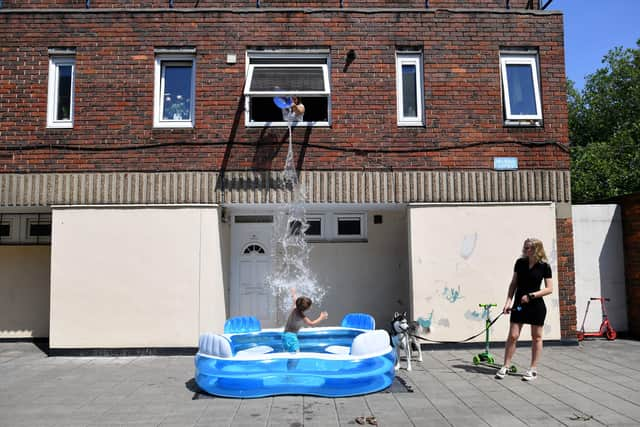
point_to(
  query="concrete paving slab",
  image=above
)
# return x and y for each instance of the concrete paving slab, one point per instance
(595, 383)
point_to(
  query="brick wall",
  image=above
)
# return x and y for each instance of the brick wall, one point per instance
(631, 240)
(111, 4)
(114, 91)
(566, 278)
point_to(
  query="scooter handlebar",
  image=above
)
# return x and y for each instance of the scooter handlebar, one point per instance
(600, 299)
(487, 305)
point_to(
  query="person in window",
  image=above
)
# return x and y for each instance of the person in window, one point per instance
(297, 319)
(295, 112)
(527, 307)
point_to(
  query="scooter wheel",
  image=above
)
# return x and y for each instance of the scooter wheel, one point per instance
(611, 334)
(513, 369)
(476, 360)
(490, 360)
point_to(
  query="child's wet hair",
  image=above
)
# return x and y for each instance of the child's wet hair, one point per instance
(303, 303)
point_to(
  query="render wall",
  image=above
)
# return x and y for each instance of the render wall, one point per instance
(113, 126)
(24, 291)
(135, 276)
(368, 277)
(464, 255)
(599, 265)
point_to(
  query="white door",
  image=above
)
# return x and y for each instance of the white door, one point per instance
(251, 265)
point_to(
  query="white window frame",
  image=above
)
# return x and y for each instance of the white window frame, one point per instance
(158, 91)
(531, 60)
(279, 55)
(320, 218)
(52, 97)
(350, 216)
(410, 58)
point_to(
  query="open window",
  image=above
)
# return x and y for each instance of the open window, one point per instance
(62, 67)
(273, 74)
(174, 94)
(520, 88)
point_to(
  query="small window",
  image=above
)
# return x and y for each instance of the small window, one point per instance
(350, 226)
(315, 227)
(5, 230)
(286, 75)
(253, 249)
(174, 98)
(60, 96)
(520, 87)
(38, 228)
(409, 89)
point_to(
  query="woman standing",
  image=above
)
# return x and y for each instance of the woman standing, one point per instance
(527, 306)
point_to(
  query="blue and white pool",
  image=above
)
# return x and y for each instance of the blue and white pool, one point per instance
(332, 362)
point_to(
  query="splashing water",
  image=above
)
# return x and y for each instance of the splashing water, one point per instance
(290, 263)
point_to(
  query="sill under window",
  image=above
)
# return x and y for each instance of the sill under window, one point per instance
(536, 123)
(177, 125)
(285, 124)
(67, 125)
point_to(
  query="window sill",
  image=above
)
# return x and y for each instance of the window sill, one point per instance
(411, 124)
(173, 125)
(535, 123)
(285, 124)
(338, 240)
(68, 125)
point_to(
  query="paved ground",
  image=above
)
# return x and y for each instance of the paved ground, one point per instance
(596, 383)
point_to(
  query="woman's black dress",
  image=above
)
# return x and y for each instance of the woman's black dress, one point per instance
(529, 280)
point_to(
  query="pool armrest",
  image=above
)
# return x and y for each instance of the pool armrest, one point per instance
(215, 345)
(370, 342)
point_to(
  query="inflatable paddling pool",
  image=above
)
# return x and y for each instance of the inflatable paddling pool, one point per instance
(332, 362)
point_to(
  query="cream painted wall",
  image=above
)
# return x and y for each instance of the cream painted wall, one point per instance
(599, 258)
(124, 276)
(371, 277)
(463, 255)
(24, 291)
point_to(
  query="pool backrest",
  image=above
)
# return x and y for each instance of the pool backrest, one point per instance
(359, 321)
(241, 324)
(215, 345)
(370, 342)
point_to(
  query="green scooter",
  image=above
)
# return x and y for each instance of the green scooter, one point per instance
(486, 358)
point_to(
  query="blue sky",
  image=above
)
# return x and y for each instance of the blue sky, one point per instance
(592, 28)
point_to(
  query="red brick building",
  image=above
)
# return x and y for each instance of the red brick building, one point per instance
(112, 111)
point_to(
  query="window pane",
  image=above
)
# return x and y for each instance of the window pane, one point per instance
(177, 92)
(349, 227)
(314, 227)
(409, 95)
(289, 79)
(39, 230)
(63, 111)
(522, 99)
(5, 230)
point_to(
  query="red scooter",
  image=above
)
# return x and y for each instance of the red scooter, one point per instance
(606, 330)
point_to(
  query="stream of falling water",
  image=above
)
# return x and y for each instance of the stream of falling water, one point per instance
(291, 254)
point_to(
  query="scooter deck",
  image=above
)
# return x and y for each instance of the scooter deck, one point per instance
(512, 369)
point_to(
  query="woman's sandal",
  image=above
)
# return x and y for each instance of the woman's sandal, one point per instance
(360, 420)
(372, 420)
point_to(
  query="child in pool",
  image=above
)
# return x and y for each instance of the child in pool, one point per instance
(296, 320)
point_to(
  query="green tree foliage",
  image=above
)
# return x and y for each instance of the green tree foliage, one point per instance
(604, 128)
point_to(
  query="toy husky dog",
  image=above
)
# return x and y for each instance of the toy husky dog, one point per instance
(403, 338)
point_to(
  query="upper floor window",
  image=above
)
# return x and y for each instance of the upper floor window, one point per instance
(274, 76)
(409, 89)
(174, 94)
(60, 96)
(520, 88)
